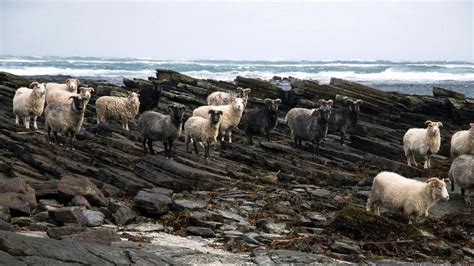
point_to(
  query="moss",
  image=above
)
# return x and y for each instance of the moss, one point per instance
(358, 224)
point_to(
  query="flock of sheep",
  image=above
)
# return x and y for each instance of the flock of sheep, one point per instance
(66, 104)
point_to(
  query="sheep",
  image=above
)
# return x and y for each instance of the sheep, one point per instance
(462, 173)
(165, 128)
(414, 197)
(311, 127)
(71, 85)
(462, 142)
(293, 113)
(29, 102)
(60, 96)
(344, 118)
(150, 97)
(204, 130)
(225, 98)
(423, 141)
(122, 109)
(65, 118)
(261, 121)
(231, 116)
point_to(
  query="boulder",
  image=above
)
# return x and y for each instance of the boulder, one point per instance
(94, 218)
(103, 236)
(17, 186)
(6, 226)
(18, 203)
(121, 213)
(80, 201)
(64, 231)
(67, 215)
(155, 201)
(345, 248)
(5, 213)
(442, 92)
(71, 186)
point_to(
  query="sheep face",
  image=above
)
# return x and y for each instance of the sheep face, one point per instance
(354, 106)
(238, 104)
(85, 92)
(438, 189)
(77, 102)
(323, 114)
(157, 90)
(272, 105)
(433, 127)
(215, 116)
(133, 96)
(176, 112)
(73, 84)
(39, 89)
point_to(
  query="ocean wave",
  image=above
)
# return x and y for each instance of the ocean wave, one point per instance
(33, 71)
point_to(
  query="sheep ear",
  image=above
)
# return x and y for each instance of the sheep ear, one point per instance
(239, 89)
(210, 111)
(78, 82)
(440, 124)
(330, 102)
(359, 101)
(72, 97)
(247, 90)
(427, 122)
(91, 89)
(220, 112)
(278, 101)
(33, 84)
(471, 124)
(348, 101)
(431, 179)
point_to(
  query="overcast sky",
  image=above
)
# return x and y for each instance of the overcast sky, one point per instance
(307, 30)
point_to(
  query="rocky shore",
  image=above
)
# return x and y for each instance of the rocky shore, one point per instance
(109, 203)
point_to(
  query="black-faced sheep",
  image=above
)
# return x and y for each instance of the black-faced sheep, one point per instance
(422, 141)
(231, 116)
(29, 102)
(66, 119)
(122, 109)
(462, 173)
(150, 97)
(203, 130)
(344, 118)
(71, 85)
(414, 197)
(165, 128)
(311, 127)
(261, 121)
(462, 142)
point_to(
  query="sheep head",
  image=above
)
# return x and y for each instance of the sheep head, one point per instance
(238, 104)
(438, 188)
(215, 115)
(85, 92)
(77, 102)
(272, 105)
(354, 106)
(176, 112)
(433, 127)
(39, 89)
(157, 89)
(324, 103)
(73, 84)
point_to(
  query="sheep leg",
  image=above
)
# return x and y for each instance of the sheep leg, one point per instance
(196, 148)
(172, 155)
(73, 138)
(229, 135)
(452, 184)
(207, 151)
(17, 120)
(342, 137)
(467, 198)
(299, 142)
(144, 144)
(296, 142)
(186, 141)
(126, 126)
(56, 138)
(27, 122)
(49, 134)
(427, 159)
(369, 205)
(250, 139)
(413, 159)
(150, 146)
(35, 126)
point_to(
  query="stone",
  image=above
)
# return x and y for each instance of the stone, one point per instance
(94, 218)
(105, 236)
(64, 231)
(5, 213)
(269, 226)
(22, 221)
(121, 213)
(18, 185)
(5, 226)
(233, 216)
(48, 204)
(321, 192)
(68, 215)
(345, 248)
(251, 238)
(468, 251)
(41, 226)
(16, 202)
(200, 231)
(317, 217)
(80, 201)
(146, 227)
(71, 186)
(183, 204)
(153, 201)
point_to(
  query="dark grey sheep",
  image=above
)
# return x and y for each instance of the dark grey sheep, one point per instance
(150, 97)
(344, 118)
(165, 128)
(261, 121)
(312, 127)
(462, 173)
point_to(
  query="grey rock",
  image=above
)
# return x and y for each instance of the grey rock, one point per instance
(154, 201)
(269, 226)
(5, 213)
(48, 204)
(80, 201)
(71, 186)
(94, 218)
(233, 216)
(5, 226)
(121, 213)
(41, 226)
(182, 204)
(98, 235)
(251, 238)
(68, 215)
(321, 192)
(64, 231)
(345, 248)
(200, 231)
(22, 221)
(317, 217)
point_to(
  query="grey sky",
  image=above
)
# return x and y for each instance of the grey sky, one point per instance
(321, 30)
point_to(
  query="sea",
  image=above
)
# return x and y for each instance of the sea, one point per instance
(406, 77)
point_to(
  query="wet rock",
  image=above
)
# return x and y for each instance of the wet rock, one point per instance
(94, 218)
(468, 251)
(48, 204)
(64, 231)
(154, 201)
(271, 227)
(105, 236)
(121, 213)
(321, 192)
(81, 202)
(41, 226)
(442, 92)
(183, 204)
(5, 213)
(251, 238)
(67, 215)
(16, 202)
(71, 186)
(22, 221)
(233, 216)
(345, 248)
(200, 231)
(6, 226)
(16, 194)
(317, 217)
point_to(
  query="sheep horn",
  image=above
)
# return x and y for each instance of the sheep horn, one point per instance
(471, 125)
(278, 100)
(267, 100)
(427, 122)
(432, 179)
(239, 89)
(33, 84)
(358, 101)
(247, 90)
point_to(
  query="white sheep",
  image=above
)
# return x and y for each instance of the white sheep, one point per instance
(71, 85)
(422, 141)
(29, 102)
(414, 197)
(462, 173)
(231, 116)
(122, 109)
(60, 96)
(65, 119)
(462, 142)
(202, 130)
(225, 98)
